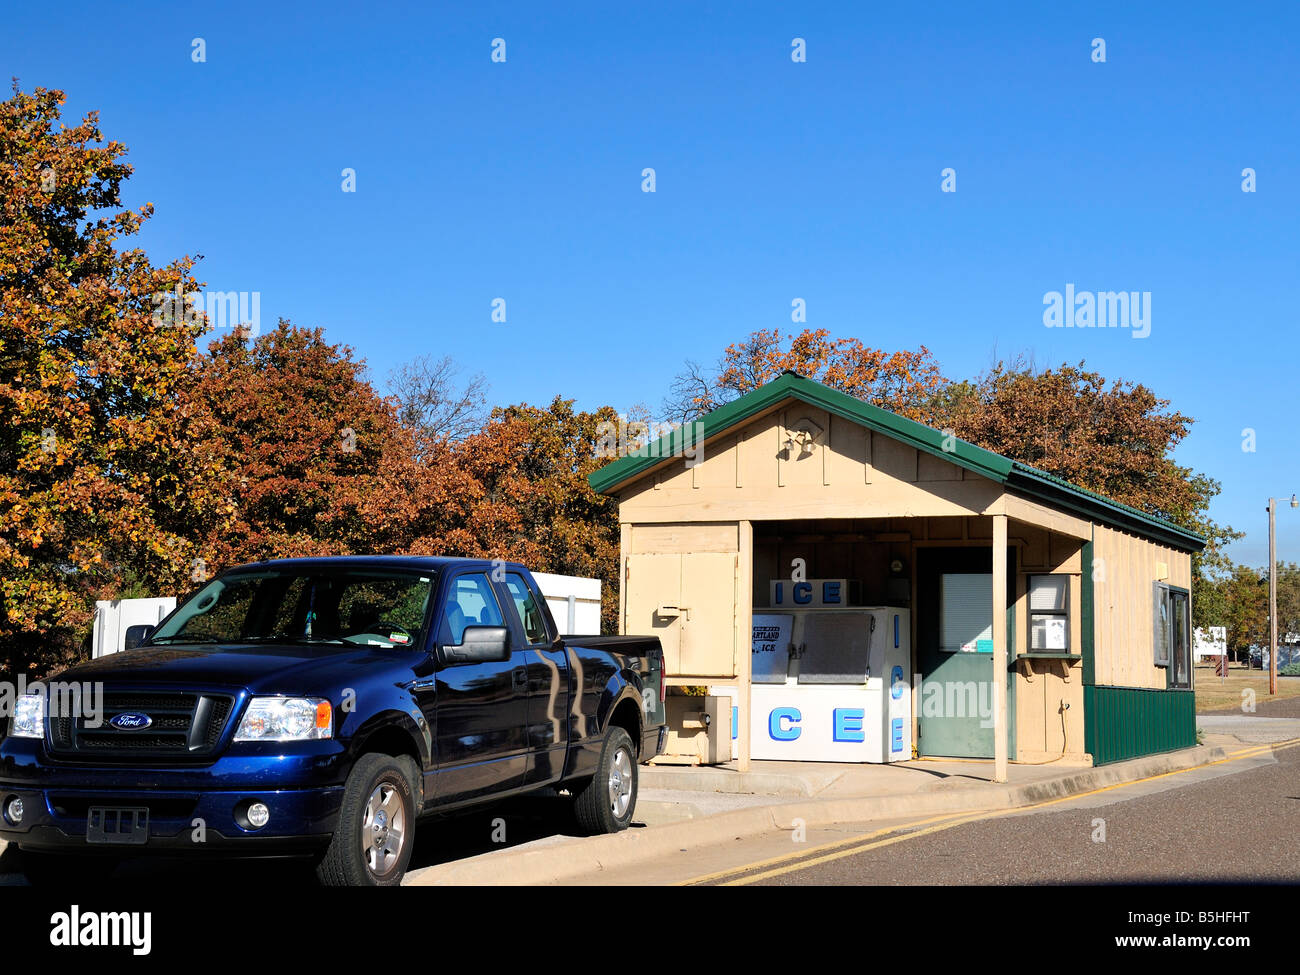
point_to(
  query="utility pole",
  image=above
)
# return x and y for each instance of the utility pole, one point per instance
(1272, 591)
(1272, 596)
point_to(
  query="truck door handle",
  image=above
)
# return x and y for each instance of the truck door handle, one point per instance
(519, 678)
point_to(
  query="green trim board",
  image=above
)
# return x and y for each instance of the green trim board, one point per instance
(1087, 611)
(1019, 478)
(1128, 722)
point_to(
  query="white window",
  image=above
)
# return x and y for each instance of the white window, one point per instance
(1049, 614)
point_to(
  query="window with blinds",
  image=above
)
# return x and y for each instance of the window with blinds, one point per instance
(966, 613)
(1049, 614)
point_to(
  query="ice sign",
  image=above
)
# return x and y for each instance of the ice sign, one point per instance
(771, 646)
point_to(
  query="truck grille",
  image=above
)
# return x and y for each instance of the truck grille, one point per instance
(182, 727)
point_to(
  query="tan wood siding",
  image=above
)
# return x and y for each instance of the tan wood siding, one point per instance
(1126, 569)
(851, 473)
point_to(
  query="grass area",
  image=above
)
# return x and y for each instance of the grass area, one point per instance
(1215, 693)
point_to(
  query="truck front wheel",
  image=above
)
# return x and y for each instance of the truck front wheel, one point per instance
(376, 830)
(606, 803)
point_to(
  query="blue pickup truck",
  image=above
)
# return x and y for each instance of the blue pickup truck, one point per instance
(323, 706)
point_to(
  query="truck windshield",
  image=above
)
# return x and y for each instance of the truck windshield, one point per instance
(307, 606)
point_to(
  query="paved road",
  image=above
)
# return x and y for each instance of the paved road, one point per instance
(1236, 822)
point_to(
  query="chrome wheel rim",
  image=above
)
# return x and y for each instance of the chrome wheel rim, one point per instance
(620, 783)
(383, 829)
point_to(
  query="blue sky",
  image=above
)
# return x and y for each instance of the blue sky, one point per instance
(775, 180)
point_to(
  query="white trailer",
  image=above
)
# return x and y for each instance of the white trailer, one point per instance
(1213, 643)
(574, 602)
(114, 617)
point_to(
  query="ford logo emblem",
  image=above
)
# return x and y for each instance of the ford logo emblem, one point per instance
(131, 721)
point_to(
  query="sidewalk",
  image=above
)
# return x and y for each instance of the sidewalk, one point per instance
(688, 807)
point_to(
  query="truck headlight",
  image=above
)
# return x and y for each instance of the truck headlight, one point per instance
(29, 717)
(286, 719)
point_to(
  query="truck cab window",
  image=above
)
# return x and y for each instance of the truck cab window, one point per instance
(526, 606)
(471, 602)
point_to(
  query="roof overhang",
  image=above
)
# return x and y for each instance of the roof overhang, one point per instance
(1018, 478)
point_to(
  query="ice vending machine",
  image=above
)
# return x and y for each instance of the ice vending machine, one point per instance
(832, 684)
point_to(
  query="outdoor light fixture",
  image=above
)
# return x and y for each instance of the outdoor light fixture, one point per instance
(804, 436)
(805, 441)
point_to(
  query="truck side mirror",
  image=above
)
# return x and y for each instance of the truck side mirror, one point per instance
(480, 644)
(136, 635)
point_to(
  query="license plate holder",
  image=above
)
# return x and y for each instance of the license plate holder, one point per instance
(118, 825)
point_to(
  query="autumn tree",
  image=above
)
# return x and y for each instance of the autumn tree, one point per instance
(1113, 437)
(1243, 608)
(1288, 599)
(321, 464)
(903, 382)
(325, 466)
(107, 473)
(435, 401)
(528, 499)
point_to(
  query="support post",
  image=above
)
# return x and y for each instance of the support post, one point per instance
(999, 648)
(744, 640)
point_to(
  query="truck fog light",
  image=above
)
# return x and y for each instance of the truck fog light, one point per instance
(258, 815)
(14, 811)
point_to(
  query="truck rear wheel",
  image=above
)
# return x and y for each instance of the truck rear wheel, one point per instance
(376, 829)
(606, 803)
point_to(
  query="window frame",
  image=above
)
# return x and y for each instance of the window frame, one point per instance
(538, 603)
(1063, 614)
(1178, 653)
(450, 597)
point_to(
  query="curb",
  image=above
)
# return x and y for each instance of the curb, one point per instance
(704, 779)
(563, 861)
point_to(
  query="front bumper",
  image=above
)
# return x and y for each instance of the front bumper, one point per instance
(190, 808)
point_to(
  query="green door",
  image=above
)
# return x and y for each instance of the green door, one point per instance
(956, 698)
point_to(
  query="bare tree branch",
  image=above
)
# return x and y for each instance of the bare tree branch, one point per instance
(432, 400)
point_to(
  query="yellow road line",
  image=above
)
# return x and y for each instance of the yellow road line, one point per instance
(813, 849)
(905, 831)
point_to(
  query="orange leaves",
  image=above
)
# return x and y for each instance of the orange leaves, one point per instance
(904, 382)
(103, 465)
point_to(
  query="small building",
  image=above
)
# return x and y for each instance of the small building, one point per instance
(868, 588)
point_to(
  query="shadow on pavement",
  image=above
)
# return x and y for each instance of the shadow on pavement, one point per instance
(440, 840)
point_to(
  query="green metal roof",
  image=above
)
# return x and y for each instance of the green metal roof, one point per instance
(1022, 479)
